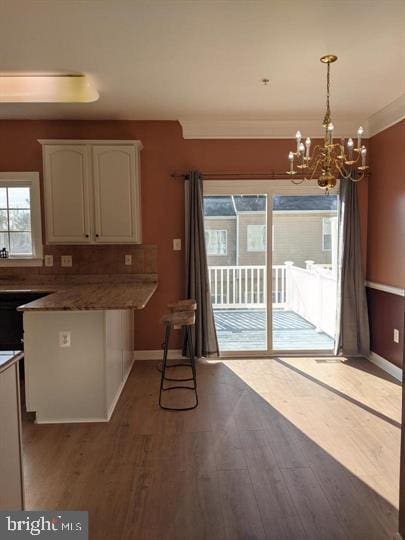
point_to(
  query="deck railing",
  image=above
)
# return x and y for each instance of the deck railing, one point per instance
(310, 292)
(245, 286)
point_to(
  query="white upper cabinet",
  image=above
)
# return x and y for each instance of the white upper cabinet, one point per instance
(67, 190)
(92, 191)
(116, 195)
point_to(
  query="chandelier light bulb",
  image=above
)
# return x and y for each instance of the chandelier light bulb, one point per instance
(298, 137)
(363, 156)
(301, 148)
(350, 143)
(291, 156)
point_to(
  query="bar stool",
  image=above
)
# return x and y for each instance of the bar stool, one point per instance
(174, 320)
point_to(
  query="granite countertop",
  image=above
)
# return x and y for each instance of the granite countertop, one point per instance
(93, 296)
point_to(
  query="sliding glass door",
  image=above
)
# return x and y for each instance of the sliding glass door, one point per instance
(272, 258)
(236, 241)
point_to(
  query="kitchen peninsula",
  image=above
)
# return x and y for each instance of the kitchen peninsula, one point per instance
(78, 348)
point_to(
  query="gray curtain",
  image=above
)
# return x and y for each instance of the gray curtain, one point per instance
(352, 336)
(197, 284)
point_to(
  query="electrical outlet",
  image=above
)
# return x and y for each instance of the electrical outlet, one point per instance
(177, 244)
(66, 260)
(64, 339)
(396, 335)
(48, 260)
(128, 260)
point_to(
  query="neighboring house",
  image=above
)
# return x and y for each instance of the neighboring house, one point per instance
(303, 228)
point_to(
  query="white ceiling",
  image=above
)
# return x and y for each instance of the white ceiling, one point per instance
(204, 59)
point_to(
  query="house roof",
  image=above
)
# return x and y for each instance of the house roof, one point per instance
(305, 203)
(219, 206)
(224, 206)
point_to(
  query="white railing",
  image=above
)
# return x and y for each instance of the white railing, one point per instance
(310, 292)
(245, 286)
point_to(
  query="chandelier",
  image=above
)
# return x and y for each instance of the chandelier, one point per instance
(330, 160)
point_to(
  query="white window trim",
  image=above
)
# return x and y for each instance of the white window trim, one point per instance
(226, 243)
(323, 234)
(250, 250)
(31, 179)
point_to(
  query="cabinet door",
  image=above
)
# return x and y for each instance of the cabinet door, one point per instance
(66, 179)
(11, 492)
(116, 194)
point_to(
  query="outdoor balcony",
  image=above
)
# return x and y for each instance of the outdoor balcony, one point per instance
(303, 306)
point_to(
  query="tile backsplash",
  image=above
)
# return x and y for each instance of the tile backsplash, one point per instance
(94, 259)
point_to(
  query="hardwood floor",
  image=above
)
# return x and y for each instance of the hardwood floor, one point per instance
(279, 449)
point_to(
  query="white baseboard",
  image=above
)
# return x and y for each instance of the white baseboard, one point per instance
(174, 354)
(78, 420)
(385, 365)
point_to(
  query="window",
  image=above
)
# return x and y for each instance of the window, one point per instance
(326, 234)
(20, 218)
(256, 237)
(216, 240)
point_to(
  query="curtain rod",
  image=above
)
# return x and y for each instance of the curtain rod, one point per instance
(273, 175)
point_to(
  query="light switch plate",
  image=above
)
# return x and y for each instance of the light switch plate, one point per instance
(48, 260)
(396, 335)
(177, 244)
(64, 339)
(66, 260)
(128, 260)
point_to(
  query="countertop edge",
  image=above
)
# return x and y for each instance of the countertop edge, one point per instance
(26, 307)
(11, 361)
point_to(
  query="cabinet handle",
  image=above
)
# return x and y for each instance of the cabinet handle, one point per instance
(97, 235)
(86, 235)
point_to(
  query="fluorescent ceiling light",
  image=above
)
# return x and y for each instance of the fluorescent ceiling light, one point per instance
(47, 89)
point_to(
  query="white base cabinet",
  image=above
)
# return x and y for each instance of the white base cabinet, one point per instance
(11, 471)
(83, 381)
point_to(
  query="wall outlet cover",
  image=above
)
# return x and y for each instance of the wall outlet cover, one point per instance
(396, 335)
(66, 261)
(128, 260)
(177, 244)
(48, 260)
(64, 339)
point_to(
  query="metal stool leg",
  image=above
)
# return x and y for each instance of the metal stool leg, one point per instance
(165, 352)
(178, 387)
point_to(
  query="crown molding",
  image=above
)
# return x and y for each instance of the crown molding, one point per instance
(265, 129)
(285, 129)
(386, 117)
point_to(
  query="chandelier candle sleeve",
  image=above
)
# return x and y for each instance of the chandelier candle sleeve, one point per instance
(360, 132)
(298, 139)
(350, 148)
(363, 157)
(307, 147)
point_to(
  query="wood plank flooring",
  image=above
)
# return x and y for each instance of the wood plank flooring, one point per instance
(278, 449)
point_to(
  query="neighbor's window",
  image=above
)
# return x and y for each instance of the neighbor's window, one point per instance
(215, 241)
(256, 237)
(20, 218)
(326, 234)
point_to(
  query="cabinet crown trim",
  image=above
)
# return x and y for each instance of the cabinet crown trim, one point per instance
(93, 142)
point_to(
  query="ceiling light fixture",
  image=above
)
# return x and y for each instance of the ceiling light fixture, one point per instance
(330, 160)
(18, 88)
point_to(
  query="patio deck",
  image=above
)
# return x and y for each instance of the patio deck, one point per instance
(244, 330)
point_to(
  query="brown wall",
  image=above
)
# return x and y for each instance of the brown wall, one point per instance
(164, 151)
(386, 207)
(385, 240)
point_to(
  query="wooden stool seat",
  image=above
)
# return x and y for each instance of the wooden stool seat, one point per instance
(178, 319)
(183, 305)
